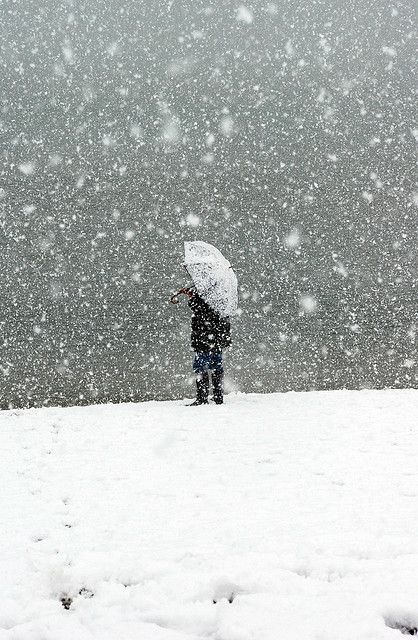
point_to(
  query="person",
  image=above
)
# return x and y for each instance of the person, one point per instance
(210, 335)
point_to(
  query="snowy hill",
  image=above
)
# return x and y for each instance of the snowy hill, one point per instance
(286, 516)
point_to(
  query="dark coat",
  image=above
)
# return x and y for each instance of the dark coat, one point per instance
(210, 332)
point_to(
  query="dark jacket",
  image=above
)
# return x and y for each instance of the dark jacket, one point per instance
(210, 332)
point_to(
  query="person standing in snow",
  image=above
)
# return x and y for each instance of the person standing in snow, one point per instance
(210, 335)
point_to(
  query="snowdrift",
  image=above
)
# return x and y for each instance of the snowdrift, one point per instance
(290, 516)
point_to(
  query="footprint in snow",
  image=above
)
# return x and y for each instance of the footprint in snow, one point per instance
(224, 589)
(39, 537)
(67, 600)
(404, 622)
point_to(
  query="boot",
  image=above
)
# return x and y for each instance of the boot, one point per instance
(202, 389)
(218, 387)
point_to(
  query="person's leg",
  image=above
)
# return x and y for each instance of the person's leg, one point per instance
(217, 377)
(200, 367)
(202, 388)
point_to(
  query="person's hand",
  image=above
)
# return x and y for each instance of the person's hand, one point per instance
(186, 292)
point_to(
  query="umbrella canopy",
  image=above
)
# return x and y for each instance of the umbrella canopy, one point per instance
(213, 276)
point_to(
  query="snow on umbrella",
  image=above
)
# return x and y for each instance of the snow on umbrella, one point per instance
(213, 276)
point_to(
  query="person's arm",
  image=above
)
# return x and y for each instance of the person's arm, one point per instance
(197, 304)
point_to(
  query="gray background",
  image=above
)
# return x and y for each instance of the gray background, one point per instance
(282, 132)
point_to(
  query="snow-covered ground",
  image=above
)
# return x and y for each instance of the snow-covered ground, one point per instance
(300, 508)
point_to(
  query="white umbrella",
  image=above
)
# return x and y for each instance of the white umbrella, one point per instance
(213, 276)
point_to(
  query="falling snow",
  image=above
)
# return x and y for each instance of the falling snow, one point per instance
(284, 133)
(244, 14)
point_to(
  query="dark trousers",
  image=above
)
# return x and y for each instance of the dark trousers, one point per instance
(203, 365)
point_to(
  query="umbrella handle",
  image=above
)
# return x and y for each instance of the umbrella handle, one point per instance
(175, 297)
